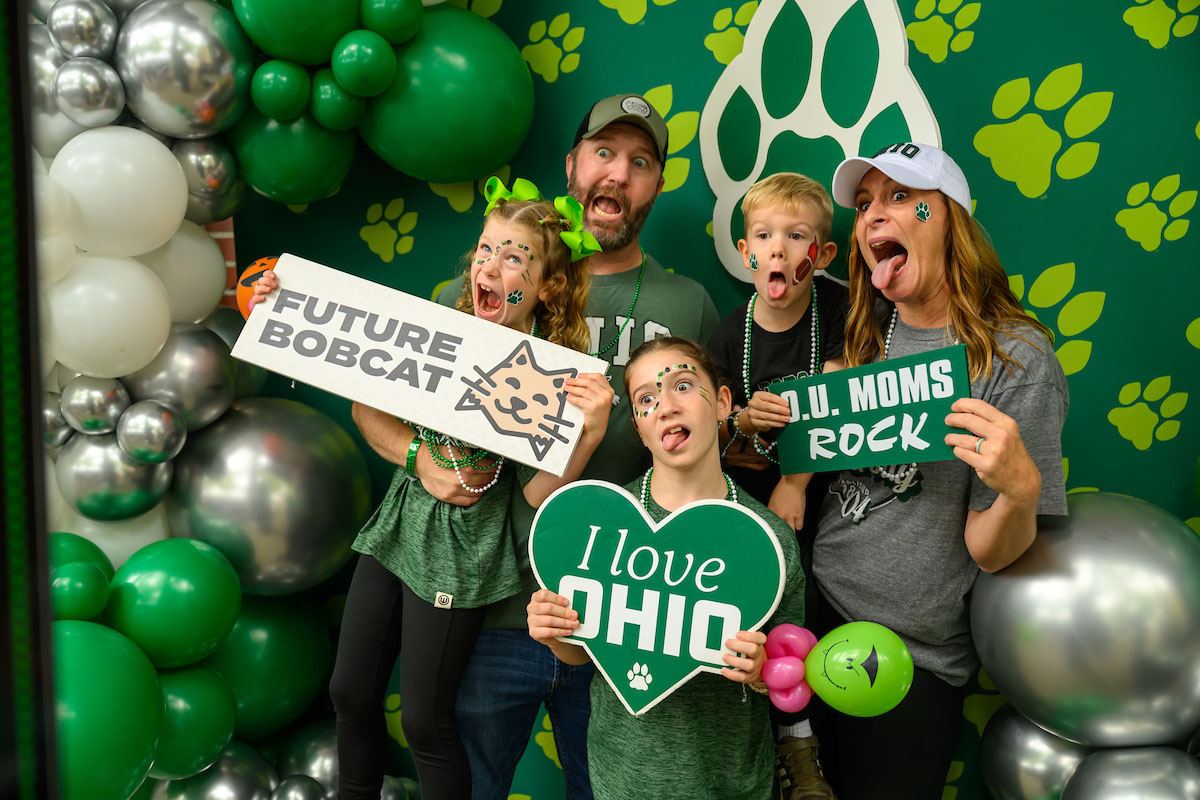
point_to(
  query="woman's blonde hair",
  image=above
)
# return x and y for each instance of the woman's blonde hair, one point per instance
(561, 316)
(981, 303)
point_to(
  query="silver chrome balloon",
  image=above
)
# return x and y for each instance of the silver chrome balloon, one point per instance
(62, 375)
(1020, 761)
(130, 121)
(83, 28)
(40, 8)
(1144, 773)
(123, 8)
(239, 772)
(93, 405)
(193, 374)
(227, 323)
(1094, 633)
(312, 752)
(203, 209)
(89, 92)
(276, 486)
(215, 189)
(98, 480)
(151, 432)
(299, 787)
(51, 127)
(186, 66)
(55, 428)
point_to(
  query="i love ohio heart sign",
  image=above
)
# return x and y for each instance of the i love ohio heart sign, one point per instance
(656, 601)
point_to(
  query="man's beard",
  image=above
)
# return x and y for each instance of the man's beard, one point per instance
(632, 219)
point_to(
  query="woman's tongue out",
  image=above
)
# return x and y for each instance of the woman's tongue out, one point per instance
(890, 261)
(675, 437)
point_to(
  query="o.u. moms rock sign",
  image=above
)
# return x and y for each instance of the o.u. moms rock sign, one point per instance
(656, 601)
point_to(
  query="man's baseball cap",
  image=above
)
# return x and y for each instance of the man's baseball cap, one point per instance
(631, 108)
(918, 166)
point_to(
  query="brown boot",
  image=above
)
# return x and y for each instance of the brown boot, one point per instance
(798, 770)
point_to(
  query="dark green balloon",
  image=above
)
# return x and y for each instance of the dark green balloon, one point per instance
(461, 104)
(331, 105)
(67, 547)
(395, 20)
(78, 590)
(291, 162)
(276, 660)
(176, 598)
(280, 89)
(298, 30)
(109, 711)
(198, 717)
(363, 63)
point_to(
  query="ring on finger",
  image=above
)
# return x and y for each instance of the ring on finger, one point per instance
(978, 444)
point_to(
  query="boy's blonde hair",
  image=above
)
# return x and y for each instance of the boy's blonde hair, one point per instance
(792, 191)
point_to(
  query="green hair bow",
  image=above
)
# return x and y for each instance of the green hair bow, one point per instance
(495, 191)
(582, 243)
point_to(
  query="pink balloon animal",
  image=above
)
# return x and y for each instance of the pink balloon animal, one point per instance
(787, 646)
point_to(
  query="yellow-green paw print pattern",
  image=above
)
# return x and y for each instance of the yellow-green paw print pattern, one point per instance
(484, 8)
(545, 740)
(950, 791)
(1075, 316)
(632, 11)
(681, 129)
(1147, 224)
(544, 55)
(1193, 333)
(1024, 151)
(1139, 422)
(387, 229)
(937, 34)
(979, 707)
(461, 196)
(729, 31)
(1066, 468)
(1157, 21)
(391, 715)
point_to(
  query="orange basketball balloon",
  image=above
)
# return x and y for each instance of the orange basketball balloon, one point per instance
(245, 284)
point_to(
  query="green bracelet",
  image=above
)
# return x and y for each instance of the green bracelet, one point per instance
(410, 463)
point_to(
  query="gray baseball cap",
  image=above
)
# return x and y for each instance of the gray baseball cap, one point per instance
(917, 166)
(630, 108)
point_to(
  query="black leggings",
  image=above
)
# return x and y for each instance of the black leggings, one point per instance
(901, 755)
(383, 617)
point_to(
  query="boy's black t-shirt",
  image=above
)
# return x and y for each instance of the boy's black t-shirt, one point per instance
(775, 357)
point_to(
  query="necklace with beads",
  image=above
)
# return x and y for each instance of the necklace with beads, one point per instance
(814, 340)
(730, 489)
(887, 343)
(628, 314)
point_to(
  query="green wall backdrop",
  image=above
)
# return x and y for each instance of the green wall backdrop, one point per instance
(1077, 124)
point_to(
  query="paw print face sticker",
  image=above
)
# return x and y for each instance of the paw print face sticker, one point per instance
(681, 130)
(813, 83)
(729, 28)
(1024, 150)
(387, 229)
(1156, 21)
(547, 58)
(1137, 421)
(515, 297)
(1147, 224)
(937, 34)
(923, 212)
(639, 677)
(632, 11)
(1075, 316)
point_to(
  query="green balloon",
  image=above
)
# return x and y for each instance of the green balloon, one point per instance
(67, 547)
(861, 668)
(395, 20)
(461, 104)
(291, 162)
(280, 89)
(276, 660)
(298, 30)
(331, 105)
(109, 710)
(176, 598)
(198, 717)
(363, 63)
(78, 590)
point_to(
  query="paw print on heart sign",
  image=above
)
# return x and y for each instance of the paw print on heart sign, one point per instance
(936, 37)
(1147, 224)
(639, 677)
(1024, 150)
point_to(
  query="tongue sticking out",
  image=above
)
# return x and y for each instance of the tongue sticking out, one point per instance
(607, 205)
(674, 438)
(776, 285)
(490, 301)
(885, 270)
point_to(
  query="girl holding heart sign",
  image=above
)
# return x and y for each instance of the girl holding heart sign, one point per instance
(711, 738)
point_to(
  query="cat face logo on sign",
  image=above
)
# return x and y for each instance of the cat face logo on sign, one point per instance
(656, 601)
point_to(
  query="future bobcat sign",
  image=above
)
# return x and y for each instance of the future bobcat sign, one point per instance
(472, 380)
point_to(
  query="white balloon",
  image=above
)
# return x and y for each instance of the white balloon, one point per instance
(128, 192)
(37, 163)
(51, 205)
(110, 316)
(119, 540)
(49, 352)
(55, 257)
(192, 267)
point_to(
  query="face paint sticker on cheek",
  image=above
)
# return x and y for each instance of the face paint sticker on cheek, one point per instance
(515, 297)
(753, 262)
(923, 212)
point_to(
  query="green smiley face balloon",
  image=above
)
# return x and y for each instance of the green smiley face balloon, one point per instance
(861, 668)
